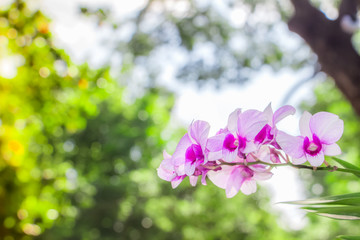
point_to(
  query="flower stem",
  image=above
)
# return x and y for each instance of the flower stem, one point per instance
(327, 168)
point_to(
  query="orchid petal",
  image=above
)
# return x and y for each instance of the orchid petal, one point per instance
(268, 113)
(250, 123)
(259, 168)
(180, 170)
(176, 181)
(165, 174)
(179, 154)
(215, 143)
(234, 182)
(327, 126)
(232, 121)
(304, 124)
(166, 169)
(220, 177)
(167, 160)
(283, 112)
(189, 168)
(316, 160)
(199, 131)
(229, 156)
(248, 187)
(265, 158)
(262, 175)
(331, 150)
(203, 179)
(274, 155)
(262, 154)
(193, 180)
(214, 156)
(263, 134)
(250, 147)
(166, 155)
(298, 161)
(291, 145)
(214, 148)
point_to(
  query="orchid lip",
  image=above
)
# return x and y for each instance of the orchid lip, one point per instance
(194, 153)
(264, 134)
(230, 142)
(247, 172)
(314, 147)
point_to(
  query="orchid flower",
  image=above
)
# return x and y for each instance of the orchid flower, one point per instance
(265, 153)
(319, 134)
(239, 178)
(269, 131)
(238, 138)
(190, 152)
(166, 171)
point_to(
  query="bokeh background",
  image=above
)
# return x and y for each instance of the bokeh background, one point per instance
(91, 92)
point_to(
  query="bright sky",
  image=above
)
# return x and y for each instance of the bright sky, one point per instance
(82, 39)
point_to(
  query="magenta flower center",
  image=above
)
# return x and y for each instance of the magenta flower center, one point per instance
(231, 143)
(314, 147)
(194, 153)
(264, 134)
(247, 172)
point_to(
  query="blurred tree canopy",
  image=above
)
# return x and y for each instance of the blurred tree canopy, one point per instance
(230, 41)
(47, 101)
(78, 153)
(208, 42)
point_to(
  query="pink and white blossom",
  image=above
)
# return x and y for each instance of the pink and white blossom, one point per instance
(269, 131)
(247, 149)
(239, 178)
(319, 134)
(190, 152)
(166, 171)
(238, 138)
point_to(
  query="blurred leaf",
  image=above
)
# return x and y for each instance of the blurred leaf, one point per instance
(345, 199)
(342, 213)
(347, 165)
(344, 237)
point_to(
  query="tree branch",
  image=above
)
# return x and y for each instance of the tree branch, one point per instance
(348, 7)
(301, 166)
(331, 44)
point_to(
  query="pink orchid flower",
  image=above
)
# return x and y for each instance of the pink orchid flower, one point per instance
(166, 171)
(202, 171)
(239, 178)
(319, 134)
(238, 137)
(269, 131)
(190, 152)
(265, 153)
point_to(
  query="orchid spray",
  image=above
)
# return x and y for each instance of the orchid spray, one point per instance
(250, 146)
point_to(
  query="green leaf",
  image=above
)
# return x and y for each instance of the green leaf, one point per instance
(345, 237)
(345, 199)
(343, 212)
(345, 207)
(348, 165)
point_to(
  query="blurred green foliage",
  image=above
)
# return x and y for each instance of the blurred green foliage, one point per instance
(47, 101)
(79, 156)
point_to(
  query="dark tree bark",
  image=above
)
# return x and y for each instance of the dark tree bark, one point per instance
(336, 54)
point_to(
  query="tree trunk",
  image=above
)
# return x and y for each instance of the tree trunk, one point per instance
(336, 54)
